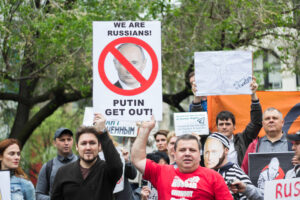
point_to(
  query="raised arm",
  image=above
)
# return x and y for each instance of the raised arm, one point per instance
(252, 129)
(138, 151)
(112, 157)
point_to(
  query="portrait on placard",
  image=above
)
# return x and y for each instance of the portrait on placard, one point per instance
(135, 55)
(269, 166)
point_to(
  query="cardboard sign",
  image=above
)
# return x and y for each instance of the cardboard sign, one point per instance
(127, 70)
(269, 166)
(115, 128)
(284, 189)
(5, 185)
(191, 122)
(223, 72)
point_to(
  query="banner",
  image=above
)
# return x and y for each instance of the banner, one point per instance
(127, 82)
(115, 128)
(286, 102)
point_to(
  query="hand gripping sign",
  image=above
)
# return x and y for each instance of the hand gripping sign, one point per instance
(111, 48)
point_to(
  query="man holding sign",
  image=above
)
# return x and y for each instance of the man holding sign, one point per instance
(90, 177)
(226, 125)
(189, 180)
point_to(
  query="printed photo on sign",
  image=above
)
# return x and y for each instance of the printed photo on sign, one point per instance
(191, 122)
(115, 128)
(283, 189)
(5, 185)
(127, 70)
(269, 166)
(223, 72)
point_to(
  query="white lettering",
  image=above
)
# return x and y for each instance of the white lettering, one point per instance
(189, 183)
(182, 193)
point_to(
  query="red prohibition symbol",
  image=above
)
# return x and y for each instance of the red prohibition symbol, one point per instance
(111, 48)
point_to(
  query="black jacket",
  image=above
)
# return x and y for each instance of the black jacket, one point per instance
(100, 182)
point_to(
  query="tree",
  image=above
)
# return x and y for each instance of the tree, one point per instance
(46, 54)
(46, 45)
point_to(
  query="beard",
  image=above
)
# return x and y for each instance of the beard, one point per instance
(90, 160)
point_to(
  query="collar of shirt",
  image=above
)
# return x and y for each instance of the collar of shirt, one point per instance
(283, 138)
(68, 158)
(124, 86)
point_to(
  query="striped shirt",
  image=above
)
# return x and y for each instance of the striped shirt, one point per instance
(232, 171)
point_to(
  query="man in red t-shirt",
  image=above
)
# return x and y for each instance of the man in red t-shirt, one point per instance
(189, 181)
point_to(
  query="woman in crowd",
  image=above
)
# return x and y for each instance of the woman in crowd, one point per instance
(21, 188)
(171, 139)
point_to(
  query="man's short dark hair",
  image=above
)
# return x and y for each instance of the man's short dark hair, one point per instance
(161, 132)
(191, 74)
(86, 129)
(187, 137)
(225, 115)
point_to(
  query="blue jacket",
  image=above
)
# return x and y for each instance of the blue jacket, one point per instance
(21, 189)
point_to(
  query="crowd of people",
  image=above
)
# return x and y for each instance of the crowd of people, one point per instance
(182, 167)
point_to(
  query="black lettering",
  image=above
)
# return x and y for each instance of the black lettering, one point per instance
(108, 112)
(131, 112)
(119, 25)
(115, 102)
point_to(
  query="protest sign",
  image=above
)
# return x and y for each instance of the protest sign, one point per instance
(284, 189)
(223, 72)
(127, 70)
(269, 166)
(115, 128)
(5, 185)
(191, 122)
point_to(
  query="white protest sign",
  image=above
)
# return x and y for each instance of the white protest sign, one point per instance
(284, 189)
(223, 72)
(127, 70)
(191, 122)
(115, 128)
(5, 185)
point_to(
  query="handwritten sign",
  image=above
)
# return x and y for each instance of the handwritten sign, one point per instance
(223, 72)
(191, 122)
(284, 189)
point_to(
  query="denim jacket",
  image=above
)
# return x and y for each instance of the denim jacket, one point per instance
(21, 189)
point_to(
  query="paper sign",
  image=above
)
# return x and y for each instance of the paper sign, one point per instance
(191, 122)
(284, 189)
(115, 128)
(223, 72)
(5, 185)
(127, 70)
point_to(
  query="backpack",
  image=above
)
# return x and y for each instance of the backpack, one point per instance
(49, 166)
